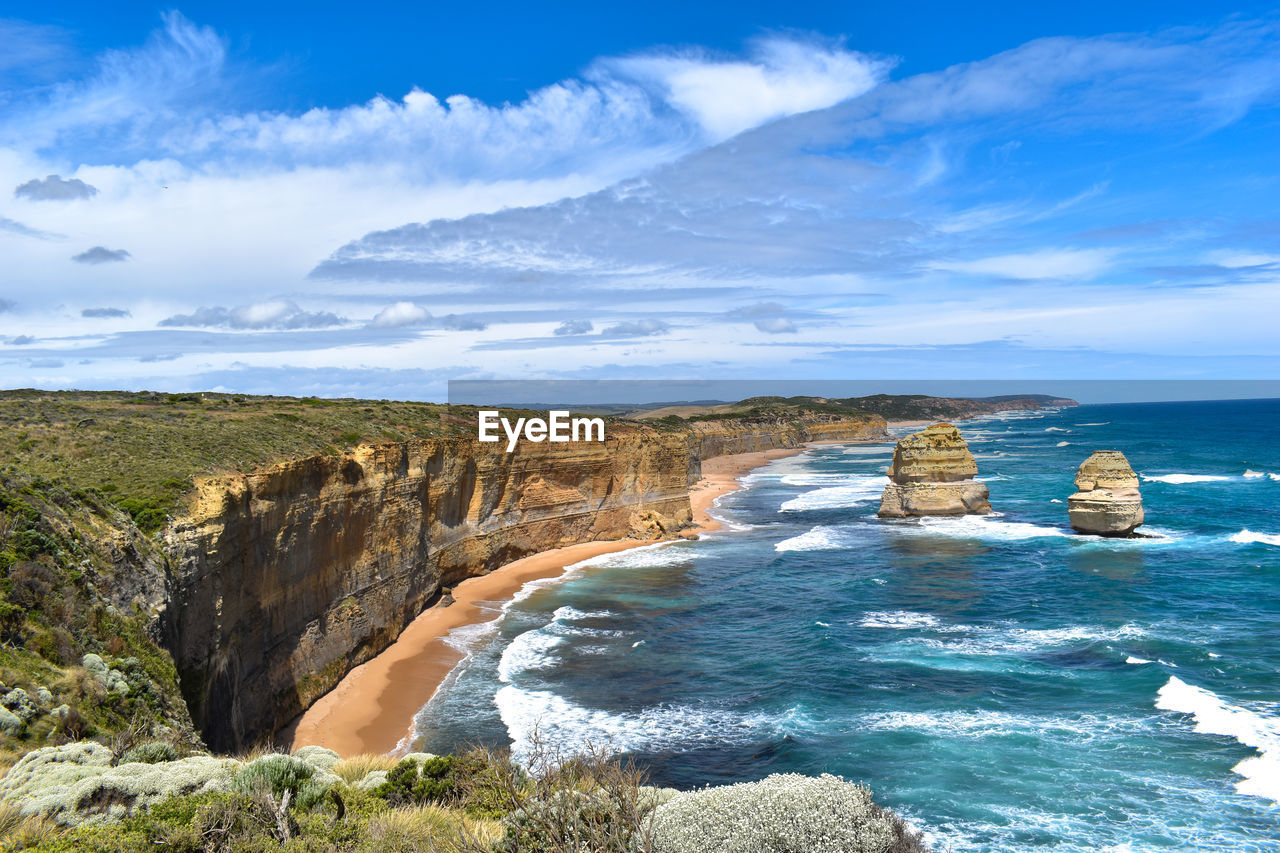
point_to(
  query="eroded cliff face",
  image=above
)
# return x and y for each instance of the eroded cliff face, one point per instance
(750, 435)
(286, 578)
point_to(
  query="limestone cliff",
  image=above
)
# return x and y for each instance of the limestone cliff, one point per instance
(287, 577)
(1107, 501)
(290, 576)
(932, 474)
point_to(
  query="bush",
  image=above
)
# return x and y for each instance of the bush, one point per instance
(415, 782)
(150, 753)
(147, 513)
(79, 783)
(277, 774)
(784, 813)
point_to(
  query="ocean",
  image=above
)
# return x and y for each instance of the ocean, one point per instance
(1003, 683)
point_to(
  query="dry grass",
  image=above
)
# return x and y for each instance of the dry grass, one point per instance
(21, 833)
(430, 829)
(355, 768)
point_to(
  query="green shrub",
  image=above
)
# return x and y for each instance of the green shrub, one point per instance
(276, 774)
(418, 782)
(147, 513)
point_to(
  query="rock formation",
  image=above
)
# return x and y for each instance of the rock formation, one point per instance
(932, 474)
(1107, 501)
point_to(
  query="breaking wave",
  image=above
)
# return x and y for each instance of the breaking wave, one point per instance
(563, 727)
(820, 538)
(986, 527)
(1181, 479)
(898, 619)
(857, 490)
(1248, 537)
(1214, 715)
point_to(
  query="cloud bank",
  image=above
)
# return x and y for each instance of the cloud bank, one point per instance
(790, 210)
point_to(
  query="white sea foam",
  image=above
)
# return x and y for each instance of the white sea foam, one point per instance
(820, 538)
(858, 489)
(535, 649)
(572, 614)
(1055, 500)
(657, 554)
(1133, 659)
(897, 619)
(984, 527)
(1250, 474)
(1063, 444)
(1214, 715)
(565, 727)
(532, 650)
(868, 450)
(823, 624)
(1248, 537)
(1056, 429)
(1182, 479)
(1099, 423)
(998, 640)
(816, 478)
(467, 638)
(637, 644)
(980, 724)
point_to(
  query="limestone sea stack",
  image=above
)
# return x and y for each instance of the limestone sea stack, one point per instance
(932, 474)
(1107, 501)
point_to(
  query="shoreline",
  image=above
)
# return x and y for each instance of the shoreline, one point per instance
(372, 709)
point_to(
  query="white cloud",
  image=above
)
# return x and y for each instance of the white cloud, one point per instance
(401, 314)
(782, 77)
(1029, 266)
(1233, 259)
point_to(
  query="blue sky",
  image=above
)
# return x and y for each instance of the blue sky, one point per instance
(376, 199)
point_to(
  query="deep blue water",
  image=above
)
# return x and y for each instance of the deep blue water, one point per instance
(1004, 683)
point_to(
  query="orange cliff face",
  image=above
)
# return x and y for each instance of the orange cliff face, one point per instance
(286, 578)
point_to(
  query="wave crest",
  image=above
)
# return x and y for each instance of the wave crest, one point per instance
(1216, 716)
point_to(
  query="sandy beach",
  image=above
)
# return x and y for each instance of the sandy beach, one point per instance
(372, 708)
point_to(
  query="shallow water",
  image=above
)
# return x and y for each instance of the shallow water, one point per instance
(1004, 683)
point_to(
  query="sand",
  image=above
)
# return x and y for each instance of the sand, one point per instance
(372, 708)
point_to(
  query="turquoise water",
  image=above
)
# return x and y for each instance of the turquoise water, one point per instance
(1003, 683)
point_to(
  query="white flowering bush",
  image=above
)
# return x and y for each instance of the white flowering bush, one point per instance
(11, 723)
(20, 704)
(371, 780)
(784, 813)
(318, 757)
(79, 783)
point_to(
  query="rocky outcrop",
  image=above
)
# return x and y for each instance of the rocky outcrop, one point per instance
(932, 474)
(1107, 501)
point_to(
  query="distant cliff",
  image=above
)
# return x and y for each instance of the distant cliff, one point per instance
(722, 436)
